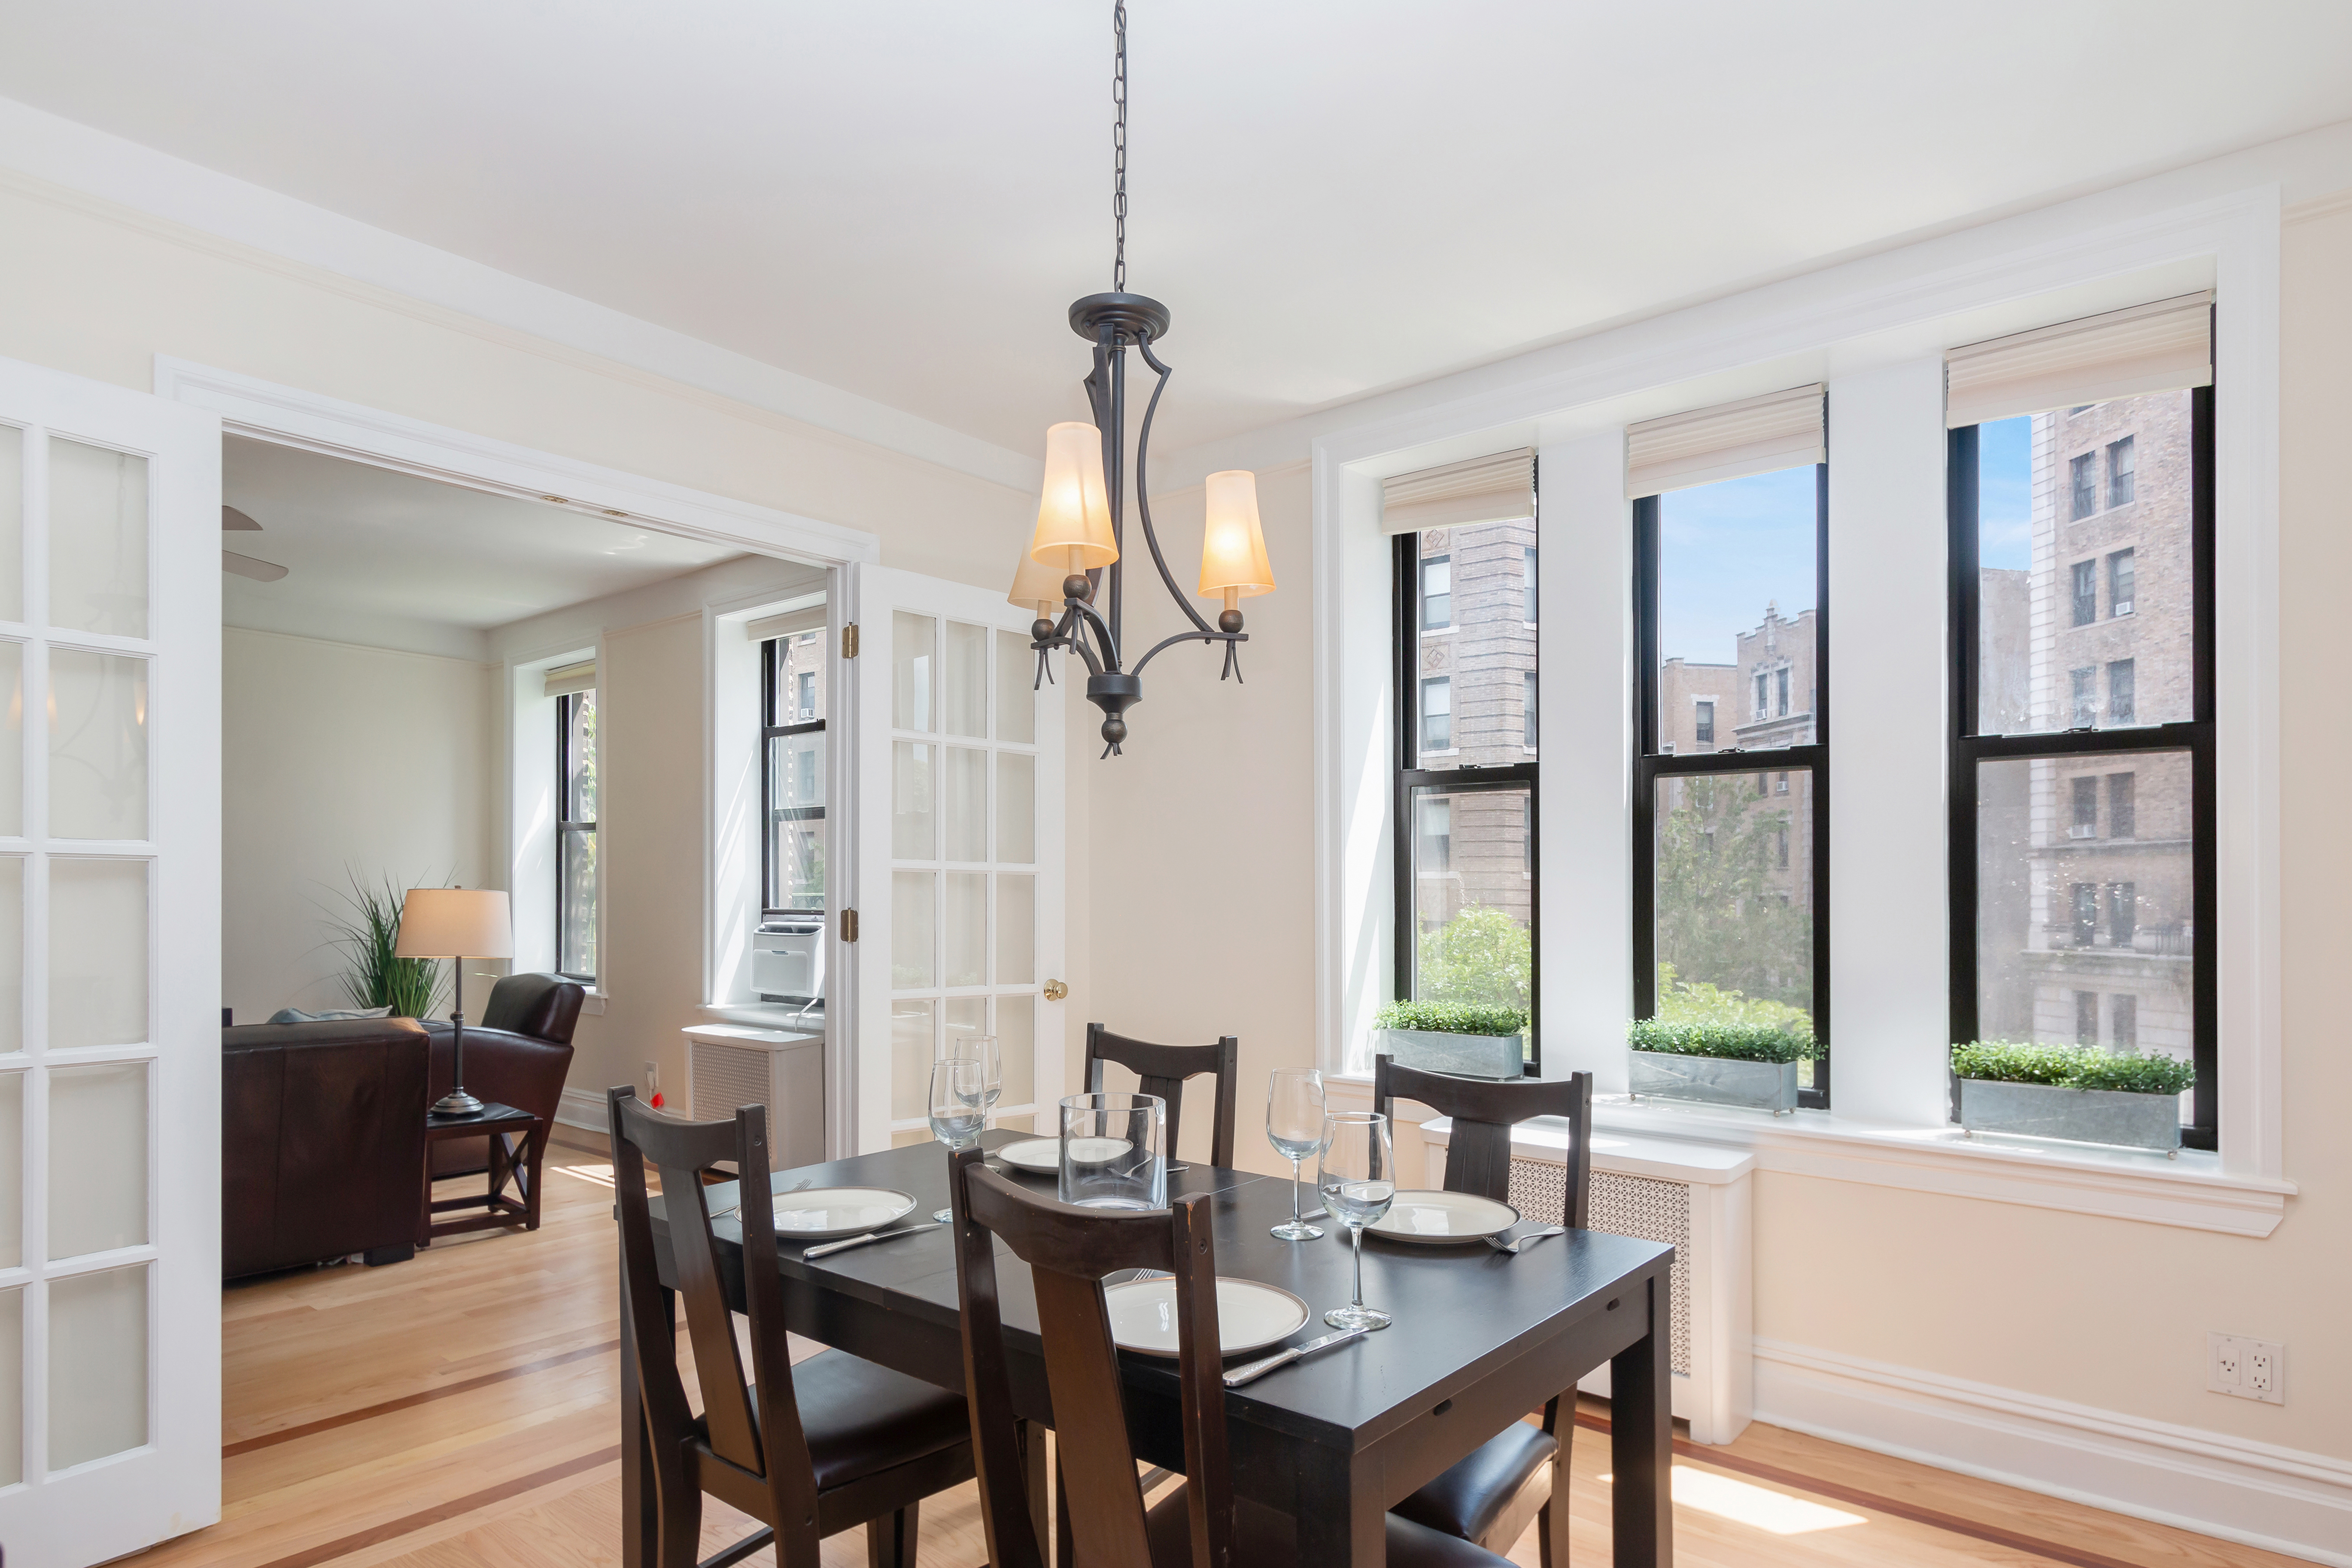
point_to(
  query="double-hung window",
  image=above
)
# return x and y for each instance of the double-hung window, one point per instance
(2083, 847)
(575, 835)
(1465, 737)
(791, 773)
(1731, 859)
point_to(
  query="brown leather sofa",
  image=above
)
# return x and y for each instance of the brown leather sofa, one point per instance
(322, 1137)
(519, 1055)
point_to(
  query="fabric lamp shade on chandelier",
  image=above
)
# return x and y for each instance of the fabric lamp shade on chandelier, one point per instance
(1073, 574)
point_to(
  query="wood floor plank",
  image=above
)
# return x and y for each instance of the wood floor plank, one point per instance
(459, 1411)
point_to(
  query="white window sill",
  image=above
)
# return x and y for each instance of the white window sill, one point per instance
(2191, 1191)
(592, 1003)
(763, 1015)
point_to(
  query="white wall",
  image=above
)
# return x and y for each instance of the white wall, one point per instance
(336, 760)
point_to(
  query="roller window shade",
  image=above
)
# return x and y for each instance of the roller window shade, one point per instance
(1729, 441)
(1497, 489)
(565, 679)
(2158, 347)
(785, 625)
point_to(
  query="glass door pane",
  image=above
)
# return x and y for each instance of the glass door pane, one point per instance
(97, 540)
(97, 1365)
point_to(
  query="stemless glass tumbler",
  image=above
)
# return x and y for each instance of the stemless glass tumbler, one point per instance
(1111, 1154)
(1294, 1125)
(1358, 1178)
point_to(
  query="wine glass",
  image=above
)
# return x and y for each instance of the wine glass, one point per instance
(982, 1048)
(958, 1106)
(1294, 1125)
(1358, 1176)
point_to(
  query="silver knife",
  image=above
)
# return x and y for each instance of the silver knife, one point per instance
(1250, 1372)
(830, 1248)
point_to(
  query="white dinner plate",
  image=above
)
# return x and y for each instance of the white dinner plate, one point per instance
(825, 1213)
(1250, 1316)
(1442, 1218)
(1040, 1157)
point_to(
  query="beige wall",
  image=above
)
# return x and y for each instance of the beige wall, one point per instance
(339, 760)
(1202, 843)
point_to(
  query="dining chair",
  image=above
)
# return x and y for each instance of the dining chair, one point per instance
(1068, 1250)
(1489, 1497)
(809, 1450)
(1164, 1068)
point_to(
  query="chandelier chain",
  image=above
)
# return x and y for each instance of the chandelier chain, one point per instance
(1119, 147)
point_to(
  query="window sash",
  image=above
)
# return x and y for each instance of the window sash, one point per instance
(2195, 737)
(567, 826)
(1651, 763)
(773, 815)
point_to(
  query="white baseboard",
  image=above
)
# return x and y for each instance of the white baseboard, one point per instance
(579, 1108)
(2281, 1500)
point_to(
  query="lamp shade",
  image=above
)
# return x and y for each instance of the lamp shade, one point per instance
(1038, 587)
(1233, 550)
(1073, 530)
(455, 923)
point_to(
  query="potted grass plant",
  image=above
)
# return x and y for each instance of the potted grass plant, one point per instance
(1469, 1040)
(2078, 1093)
(1717, 1063)
(369, 934)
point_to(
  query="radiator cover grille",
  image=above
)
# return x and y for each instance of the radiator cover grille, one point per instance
(1643, 1208)
(727, 1078)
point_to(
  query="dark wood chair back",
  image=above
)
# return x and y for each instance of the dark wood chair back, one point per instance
(1478, 1153)
(1068, 1250)
(1164, 1068)
(764, 1443)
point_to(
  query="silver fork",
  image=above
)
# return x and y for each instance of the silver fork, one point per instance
(1513, 1245)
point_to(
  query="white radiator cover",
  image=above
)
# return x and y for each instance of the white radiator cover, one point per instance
(729, 1066)
(1697, 1197)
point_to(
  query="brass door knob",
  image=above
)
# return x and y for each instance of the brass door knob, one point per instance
(1055, 991)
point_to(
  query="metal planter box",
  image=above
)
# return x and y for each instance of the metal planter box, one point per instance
(1715, 1080)
(2081, 1115)
(1463, 1055)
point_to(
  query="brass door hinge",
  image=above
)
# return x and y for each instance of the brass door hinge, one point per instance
(849, 926)
(849, 641)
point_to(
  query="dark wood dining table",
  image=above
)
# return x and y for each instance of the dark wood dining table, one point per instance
(1480, 1338)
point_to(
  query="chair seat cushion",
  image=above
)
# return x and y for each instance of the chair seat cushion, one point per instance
(1467, 1499)
(861, 1418)
(1266, 1539)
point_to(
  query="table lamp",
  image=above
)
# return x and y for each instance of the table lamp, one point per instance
(455, 923)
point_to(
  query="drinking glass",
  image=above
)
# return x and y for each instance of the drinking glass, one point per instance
(959, 1107)
(1111, 1151)
(1294, 1125)
(1356, 1173)
(981, 1048)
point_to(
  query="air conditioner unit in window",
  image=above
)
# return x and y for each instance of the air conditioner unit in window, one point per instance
(1696, 1197)
(2082, 830)
(729, 1066)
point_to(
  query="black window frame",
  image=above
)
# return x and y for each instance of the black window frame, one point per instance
(1651, 764)
(1404, 741)
(2195, 737)
(772, 697)
(567, 826)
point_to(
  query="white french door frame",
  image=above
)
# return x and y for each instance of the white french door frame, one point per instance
(289, 416)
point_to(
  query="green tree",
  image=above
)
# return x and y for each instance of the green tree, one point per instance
(1721, 914)
(1481, 955)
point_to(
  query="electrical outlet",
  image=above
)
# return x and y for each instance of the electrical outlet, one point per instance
(2248, 1368)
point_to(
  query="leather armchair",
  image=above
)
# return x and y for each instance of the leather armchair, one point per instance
(322, 1134)
(519, 1055)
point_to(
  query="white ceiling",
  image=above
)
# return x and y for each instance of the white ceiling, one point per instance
(384, 557)
(1333, 197)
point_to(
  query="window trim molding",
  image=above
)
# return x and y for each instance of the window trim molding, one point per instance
(2101, 251)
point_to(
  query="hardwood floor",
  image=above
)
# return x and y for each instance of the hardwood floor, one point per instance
(458, 1411)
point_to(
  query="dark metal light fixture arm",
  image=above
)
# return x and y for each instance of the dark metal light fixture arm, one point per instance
(1203, 635)
(1143, 493)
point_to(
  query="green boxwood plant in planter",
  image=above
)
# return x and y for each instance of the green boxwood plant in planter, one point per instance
(1750, 1065)
(1467, 1038)
(2078, 1093)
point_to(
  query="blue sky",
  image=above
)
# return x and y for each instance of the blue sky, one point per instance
(1724, 550)
(2005, 493)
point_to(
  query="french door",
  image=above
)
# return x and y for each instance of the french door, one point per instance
(960, 850)
(110, 969)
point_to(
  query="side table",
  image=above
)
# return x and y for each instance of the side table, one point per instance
(510, 1162)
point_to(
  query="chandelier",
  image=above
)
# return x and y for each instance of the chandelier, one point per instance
(1075, 553)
